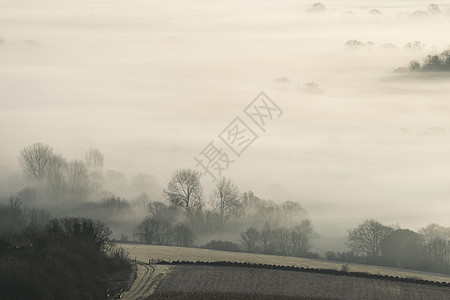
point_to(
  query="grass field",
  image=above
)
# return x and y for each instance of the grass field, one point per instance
(145, 252)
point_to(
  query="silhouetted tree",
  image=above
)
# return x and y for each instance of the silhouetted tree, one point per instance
(268, 238)
(437, 246)
(367, 237)
(77, 178)
(182, 235)
(226, 201)
(250, 239)
(184, 188)
(301, 236)
(56, 175)
(34, 160)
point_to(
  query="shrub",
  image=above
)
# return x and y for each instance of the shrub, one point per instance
(222, 245)
(345, 268)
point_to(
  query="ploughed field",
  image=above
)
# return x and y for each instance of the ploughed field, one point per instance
(193, 280)
(167, 253)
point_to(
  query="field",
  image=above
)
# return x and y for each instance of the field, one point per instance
(145, 252)
(192, 279)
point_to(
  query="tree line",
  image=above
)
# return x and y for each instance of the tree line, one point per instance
(374, 243)
(179, 214)
(432, 63)
(185, 215)
(268, 227)
(69, 182)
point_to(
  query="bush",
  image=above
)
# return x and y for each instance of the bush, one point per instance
(222, 245)
(71, 258)
(345, 268)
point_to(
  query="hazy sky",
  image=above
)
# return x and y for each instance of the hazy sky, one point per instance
(151, 83)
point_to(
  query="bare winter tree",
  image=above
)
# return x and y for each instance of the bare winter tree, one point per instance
(77, 177)
(268, 238)
(182, 235)
(437, 246)
(184, 188)
(155, 231)
(94, 163)
(56, 174)
(226, 201)
(34, 160)
(283, 241)
(250, 239)
(367, 237)
(301, 236)
(94, 160)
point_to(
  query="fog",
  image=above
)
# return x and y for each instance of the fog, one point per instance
(151, 83)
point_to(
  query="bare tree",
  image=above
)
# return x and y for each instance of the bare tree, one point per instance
(77, 177)
(250, 239)
(94, 163)
(184, 188)
(367, 237)
(268, 238)
(226, 201)
(284, 244)
(146, 230)
(94, 160)
(301, 236)
(437, 246)
(163, 211)
(56, 174)
(290, 213)
(96, 182)
(182, 235)
(157, 228)
(34, 160)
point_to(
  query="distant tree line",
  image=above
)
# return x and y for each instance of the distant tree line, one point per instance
(43, 258)
(69, 182)
(174, 216)
(432, 63)
(273, 239)
(268, 227)
(374, 243)
(84, 187)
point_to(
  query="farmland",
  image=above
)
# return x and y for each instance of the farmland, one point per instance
(166, 253)
(196, 279)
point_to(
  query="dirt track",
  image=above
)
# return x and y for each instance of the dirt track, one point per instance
(148, 278)
(277, 282)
